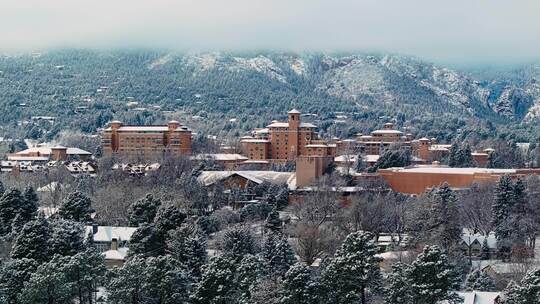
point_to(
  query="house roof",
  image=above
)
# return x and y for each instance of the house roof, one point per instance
(477, 297)
(286, 125)
(386, 132)
(210, 177)
(48, 151)
(294, 111)
(116, 255)
(469, 237)
(147, 128)
(108, 233)
(449, 170)
(220, 156)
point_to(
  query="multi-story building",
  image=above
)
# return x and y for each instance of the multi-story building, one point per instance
(145, 141)
(284, 141)
(381, 140)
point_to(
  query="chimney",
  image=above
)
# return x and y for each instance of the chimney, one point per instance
(59, 153)
(114, 244)
(94, 228)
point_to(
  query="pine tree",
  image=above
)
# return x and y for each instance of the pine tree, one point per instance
(278, 254)
(126, 284)
(85, 270)
(527, 292)
(238, 242)
(164, 282)
(486, 252)
(398, 287)
(432, 277)
(247, 277)
(217, 284)
(2, 189)
(465, 157)
(169, 218)
(282, 198)
(31, 202)
(67, 238)
(354, 271)
(273, 222)
(33, 241)
(520, 210)
(10, 205)
(13, 275)
(188, 247)
(76, 207)
(479, 281)
(444, 222)
(49, 284)
(147, 241)
(453, 155)
(502, 208)
(299, 287)
(143, 211)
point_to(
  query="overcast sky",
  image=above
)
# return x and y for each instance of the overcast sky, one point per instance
(441, 30)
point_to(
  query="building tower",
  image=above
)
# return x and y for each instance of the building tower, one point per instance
(294, 128)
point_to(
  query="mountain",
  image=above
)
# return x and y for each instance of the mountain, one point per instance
(93, 87)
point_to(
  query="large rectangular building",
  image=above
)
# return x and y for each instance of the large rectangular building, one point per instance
(285, 141)
(149, 141)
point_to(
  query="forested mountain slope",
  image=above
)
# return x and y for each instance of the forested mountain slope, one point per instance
(226, 94)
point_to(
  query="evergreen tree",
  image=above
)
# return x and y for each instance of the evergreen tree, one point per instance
(49, 284)
(67, 238)
(188, 247)
(10, 205)
(485, 255)
(31, 202)
(453, 155)
(238, 242)
(126, 284)
(143, 211)
(465, 157)
(247, 277)
(479, 281)
(398, 287)
(444, 222)
(169, 218)
(76, 207)
(282, 197)
(33, 241)
(519, 213)
(354, 271)
(2, 189)
(527, 292)
(278, 254)
(147, 241)
(299, 287)
(13, 275)
(217, 284)
(432, 277)
(164, 282)
(86, 270)
(502, 208)
(273, 222)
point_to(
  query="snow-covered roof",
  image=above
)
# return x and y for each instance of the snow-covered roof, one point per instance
(294, 111)
(116, 255)
(255, 140)
(108, 233)
(220, 156)
(28, 158)
(469, 237)
(147, 128)
(449, 170)
(477, 297)
(386, 132)
(317, 146)
(210, 177)
(286, 125)
(48, 151)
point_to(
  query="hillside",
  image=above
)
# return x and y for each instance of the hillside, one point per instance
(213, 92)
